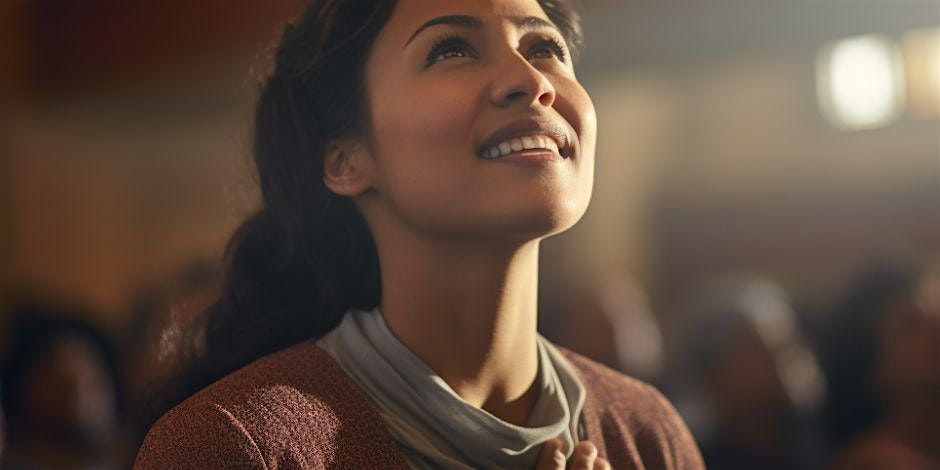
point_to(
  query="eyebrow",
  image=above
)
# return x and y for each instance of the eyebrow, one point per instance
(467, 21)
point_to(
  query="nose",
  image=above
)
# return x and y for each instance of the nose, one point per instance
(516, 80)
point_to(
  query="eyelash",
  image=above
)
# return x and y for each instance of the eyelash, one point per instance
(557, 48)
(445, 44)
(455, 42)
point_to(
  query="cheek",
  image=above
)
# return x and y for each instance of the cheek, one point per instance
(423, 144)
(429, 117)
(588, 136)
(575, 105)
(582, 117)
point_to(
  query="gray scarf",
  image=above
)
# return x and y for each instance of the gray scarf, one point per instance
(432, 425)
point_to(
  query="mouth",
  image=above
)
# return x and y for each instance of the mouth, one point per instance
(527, 136)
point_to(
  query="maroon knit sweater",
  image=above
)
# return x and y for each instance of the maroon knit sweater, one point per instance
(297, 408)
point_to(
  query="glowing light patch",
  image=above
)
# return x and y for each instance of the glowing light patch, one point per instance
(859, 82)
(921, 50)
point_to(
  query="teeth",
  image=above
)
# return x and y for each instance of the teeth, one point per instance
(520, 143)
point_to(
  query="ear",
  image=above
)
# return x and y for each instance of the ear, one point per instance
(348, 169)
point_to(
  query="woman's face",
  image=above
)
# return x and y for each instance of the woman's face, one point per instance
(445, 79)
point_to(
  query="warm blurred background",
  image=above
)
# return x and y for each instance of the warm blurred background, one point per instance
(761, 243)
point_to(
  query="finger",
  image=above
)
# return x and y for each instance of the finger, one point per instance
(551, 457)
(601, 464)
(583, 458)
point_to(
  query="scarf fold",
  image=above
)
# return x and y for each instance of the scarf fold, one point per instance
(432, 425)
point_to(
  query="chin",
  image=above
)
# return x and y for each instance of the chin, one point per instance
(567, 216)
(537, 221)
(500, 213)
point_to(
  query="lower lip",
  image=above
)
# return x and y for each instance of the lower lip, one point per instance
(531, 157)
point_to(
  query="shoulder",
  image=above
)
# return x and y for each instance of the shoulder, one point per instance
(618, 394)
(198, 434)
(295, 406)
(612, 386)
(638, 425)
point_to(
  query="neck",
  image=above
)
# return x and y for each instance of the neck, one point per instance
(468, 310)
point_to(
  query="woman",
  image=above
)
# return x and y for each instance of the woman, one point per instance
(411, 156)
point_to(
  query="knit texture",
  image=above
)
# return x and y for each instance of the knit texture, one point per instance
(297, 408)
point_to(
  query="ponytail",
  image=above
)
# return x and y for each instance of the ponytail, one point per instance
(293, 268)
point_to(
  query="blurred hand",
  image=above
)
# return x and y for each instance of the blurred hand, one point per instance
(584, 457)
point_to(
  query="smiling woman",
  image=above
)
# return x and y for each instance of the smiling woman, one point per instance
(380, 310)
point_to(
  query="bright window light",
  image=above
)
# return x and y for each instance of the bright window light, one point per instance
(859, 82)
(921, 50)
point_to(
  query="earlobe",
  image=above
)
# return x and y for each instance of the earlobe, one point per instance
(347, 168)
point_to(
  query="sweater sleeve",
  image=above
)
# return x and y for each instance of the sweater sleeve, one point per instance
(202, 435)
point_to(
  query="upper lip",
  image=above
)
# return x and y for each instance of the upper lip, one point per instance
(528, 126)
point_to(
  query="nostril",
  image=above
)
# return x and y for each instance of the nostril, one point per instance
(546, 99)
(515, 95)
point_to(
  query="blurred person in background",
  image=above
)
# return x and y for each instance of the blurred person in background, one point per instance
(611, 322)
(881, 352)
(380, 309)
(61, 394)
(744, 378)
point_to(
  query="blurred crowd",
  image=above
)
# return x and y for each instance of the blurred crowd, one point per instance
(762, 384)
(78, 396)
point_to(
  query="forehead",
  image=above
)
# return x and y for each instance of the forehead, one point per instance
(409, 15)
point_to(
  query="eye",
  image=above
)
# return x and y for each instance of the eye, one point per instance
(449, 47)
(548, 48)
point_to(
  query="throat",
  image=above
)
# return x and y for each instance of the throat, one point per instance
(516, 411)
